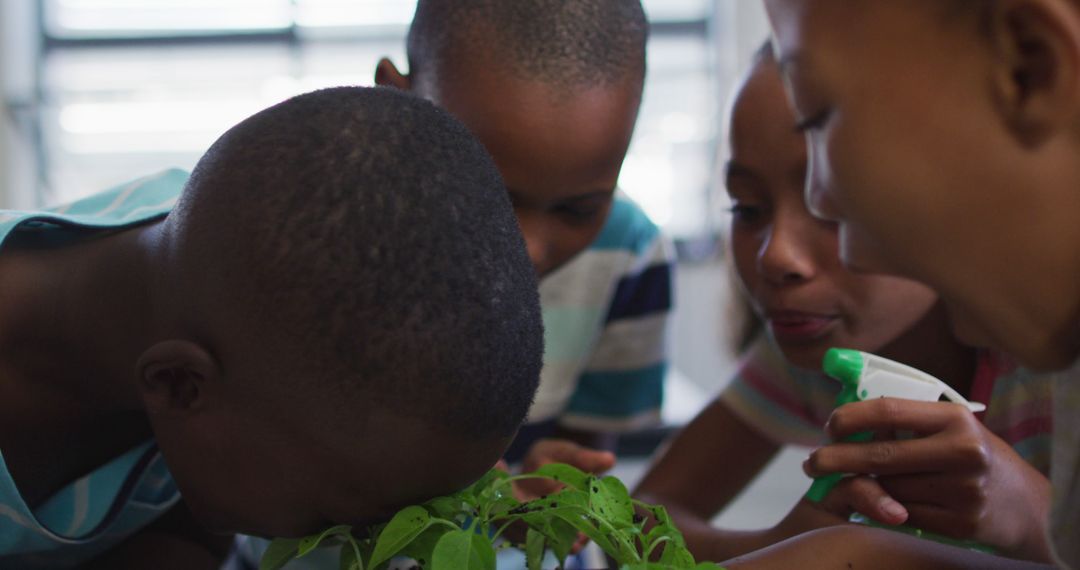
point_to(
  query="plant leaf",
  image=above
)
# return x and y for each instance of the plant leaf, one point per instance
(564, 473)
(664, 527)
(610, 499)
(664, 531)
(279, 553)
(406, 525)
(534, 549)
(585, 526)
(543, 508)
(561, 537)
(501, 505)
(676, 556)
(661, 515)
(350, 556)
(456, 551)
(421, 549)
(483, 551)
(446, 507)
(309, 543)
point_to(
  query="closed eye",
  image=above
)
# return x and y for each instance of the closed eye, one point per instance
(746, 214)
(815, 121)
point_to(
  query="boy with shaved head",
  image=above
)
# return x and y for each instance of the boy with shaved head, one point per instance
(338, 318)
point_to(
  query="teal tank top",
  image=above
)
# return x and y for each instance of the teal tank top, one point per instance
(101, 508)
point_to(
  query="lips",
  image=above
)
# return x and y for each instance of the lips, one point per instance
(796, 326)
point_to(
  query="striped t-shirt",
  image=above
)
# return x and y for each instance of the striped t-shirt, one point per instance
(790, 406)
(105, 506)
(605, 332)
(1065, 473)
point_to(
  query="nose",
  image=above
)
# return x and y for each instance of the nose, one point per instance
(818, 198)
(784, 257)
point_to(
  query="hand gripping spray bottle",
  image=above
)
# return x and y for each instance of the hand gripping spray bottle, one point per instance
(864, 376)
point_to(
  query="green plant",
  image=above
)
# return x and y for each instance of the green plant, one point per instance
(462, 531)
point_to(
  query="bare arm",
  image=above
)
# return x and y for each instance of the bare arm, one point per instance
(853, 547)
(173, 542)
(703, 469)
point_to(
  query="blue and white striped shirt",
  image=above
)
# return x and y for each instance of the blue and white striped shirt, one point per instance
(606, 318)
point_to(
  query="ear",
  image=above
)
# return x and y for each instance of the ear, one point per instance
(387, 75)
(1037, 44)
(176, 377)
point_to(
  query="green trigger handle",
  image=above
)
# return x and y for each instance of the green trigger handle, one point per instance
(845, 366)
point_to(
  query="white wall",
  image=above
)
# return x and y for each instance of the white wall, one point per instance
(703, 290)
(18, 58)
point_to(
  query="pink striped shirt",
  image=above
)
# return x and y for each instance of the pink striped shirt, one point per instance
(790, 406)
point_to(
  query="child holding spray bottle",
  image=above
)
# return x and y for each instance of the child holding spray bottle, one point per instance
(951, 158)
(789, 266)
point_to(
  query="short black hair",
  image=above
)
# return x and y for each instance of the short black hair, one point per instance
(560, 42)
(369, 234)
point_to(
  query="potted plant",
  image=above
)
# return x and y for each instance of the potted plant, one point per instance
(463, 531)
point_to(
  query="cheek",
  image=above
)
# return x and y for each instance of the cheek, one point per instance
(887, 307)
(228, 481)
(849, 169)
(744, 251)
(200, 483)
(871, 189)
(565, 239)
(965, 327)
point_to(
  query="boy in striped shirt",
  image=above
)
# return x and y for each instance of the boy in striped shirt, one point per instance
(552, 90)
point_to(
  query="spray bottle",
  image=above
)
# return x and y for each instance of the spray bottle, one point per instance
(864, 376)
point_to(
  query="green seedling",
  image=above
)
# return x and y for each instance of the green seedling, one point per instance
(464, 530)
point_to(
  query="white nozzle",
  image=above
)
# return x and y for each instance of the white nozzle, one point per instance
(884, 378)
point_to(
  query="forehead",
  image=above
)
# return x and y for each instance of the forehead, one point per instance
(884, 32)
(762, 122)
(542, 135)
(892, 62)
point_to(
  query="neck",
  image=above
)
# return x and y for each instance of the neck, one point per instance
(74, 321)
(931, 347)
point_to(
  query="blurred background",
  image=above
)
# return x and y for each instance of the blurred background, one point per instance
(97, 92)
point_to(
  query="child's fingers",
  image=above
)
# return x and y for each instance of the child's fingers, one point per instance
(594, 461)
(864, 495)
(936, 489)
(529, 489)
(895, 414)
(548, 451)
(936, 519)
(564, 451)
(896, 457)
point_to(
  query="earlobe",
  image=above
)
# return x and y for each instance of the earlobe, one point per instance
(387, 75)
(1038, 51)
(175, 376)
